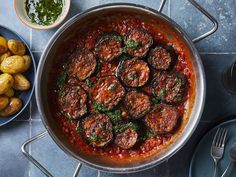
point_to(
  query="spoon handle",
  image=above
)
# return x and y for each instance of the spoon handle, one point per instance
(227, 169)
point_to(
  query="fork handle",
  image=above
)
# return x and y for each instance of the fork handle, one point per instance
(215, 167)
(227, 169)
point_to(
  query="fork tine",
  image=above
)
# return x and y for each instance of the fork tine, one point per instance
(224, 138)
(219, 138)
(215, 137)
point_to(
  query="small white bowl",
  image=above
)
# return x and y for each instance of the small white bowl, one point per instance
(19, 6)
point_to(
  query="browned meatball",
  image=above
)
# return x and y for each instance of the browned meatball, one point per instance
(138, 42)
(108, 91)
(162, 119)
(72, 101)
(169, 87)
(97, 129)
(159, 58)
(137, 103)
(134, 73)
(82, 64)
(126, 139)
(109, 47)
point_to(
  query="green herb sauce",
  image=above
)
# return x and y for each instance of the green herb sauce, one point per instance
(44, 12)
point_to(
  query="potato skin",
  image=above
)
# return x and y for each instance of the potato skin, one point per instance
(13, 64)
(6, 82)
(10, 93)
(27, 60)
(16, 47)
(3, 45)
(13, 107)
(5, 55)
(4, 101)
(20, 82)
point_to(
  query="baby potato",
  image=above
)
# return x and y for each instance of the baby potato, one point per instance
(16, 47)
(10, 93)
(5, 55)
(13, 64)
(4, 101)
(27, 62)
(20, 82)
(13, 107)
(3, 45)
(6, 82)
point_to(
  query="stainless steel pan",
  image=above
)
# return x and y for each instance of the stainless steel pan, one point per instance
(173, 31)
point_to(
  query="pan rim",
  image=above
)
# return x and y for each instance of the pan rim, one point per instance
(197, 108)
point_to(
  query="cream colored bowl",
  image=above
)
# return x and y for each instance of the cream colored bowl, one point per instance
(19, 6)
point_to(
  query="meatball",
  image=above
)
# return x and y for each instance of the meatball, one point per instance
(134, 73)
(159, 58)
(109, 47)
(97, 129)
(108, 91)
(162, 119)
(138, 42)
(72, 101)
(82, 64)
(126, 139)
(137, 103)
(169, 87)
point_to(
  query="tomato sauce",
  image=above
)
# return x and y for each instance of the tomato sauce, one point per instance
(88, 39)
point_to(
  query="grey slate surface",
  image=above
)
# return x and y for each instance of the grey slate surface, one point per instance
(217, 52)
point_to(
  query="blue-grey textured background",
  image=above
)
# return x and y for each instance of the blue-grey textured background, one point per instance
(217, 51)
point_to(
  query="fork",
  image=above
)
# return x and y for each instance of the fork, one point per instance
(217, 147)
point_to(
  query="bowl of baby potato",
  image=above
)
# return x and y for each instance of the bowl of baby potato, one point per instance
(17, 73)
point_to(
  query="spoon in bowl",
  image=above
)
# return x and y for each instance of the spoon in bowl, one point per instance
(232, 155)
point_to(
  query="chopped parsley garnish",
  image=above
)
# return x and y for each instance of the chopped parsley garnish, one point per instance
(155, 100)
(133, 76)
(177, 80)
(133, 45)
(88, 83)
(123, 55)
(135, 58)
(124, 51)
(100, 107)
(115, 116)
(94, 138)
(62, 93)
(61, 80)
(112, 87)
(122, 127)
(178, 98)
(149, 134)
(79, 129)
(117, 38)
(162, 92)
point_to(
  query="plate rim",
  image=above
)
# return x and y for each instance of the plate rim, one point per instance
(207, 134)
(33, 84)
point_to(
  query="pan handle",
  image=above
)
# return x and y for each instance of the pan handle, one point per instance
(210, 17)
(162, 5)
(35, 162)
(204, 12)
